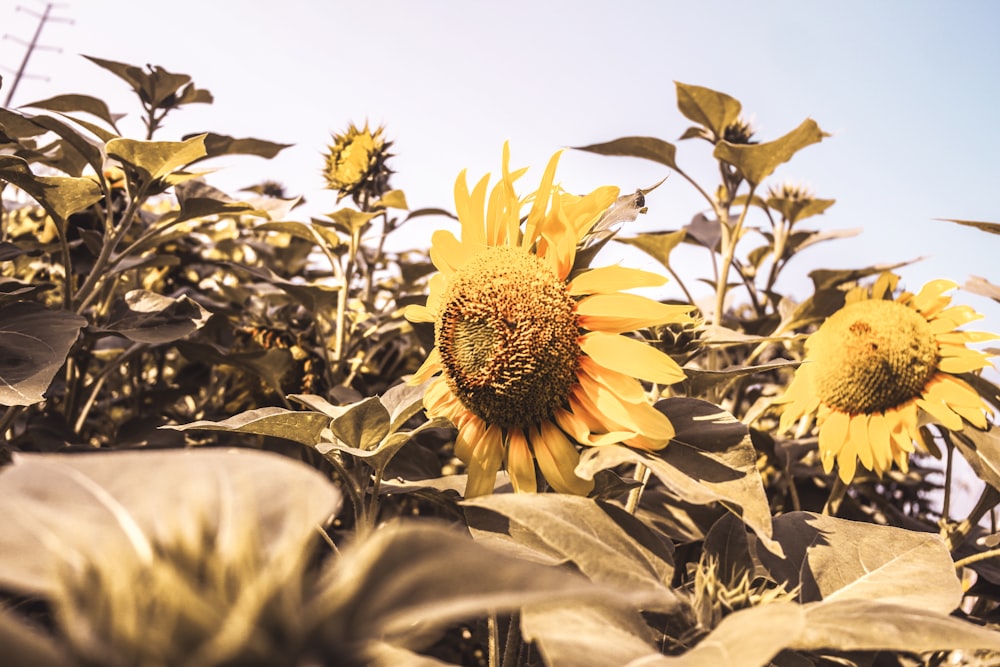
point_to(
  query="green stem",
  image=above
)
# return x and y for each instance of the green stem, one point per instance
(730, 239)
(837, 493)
(975, 558)
(641, 473)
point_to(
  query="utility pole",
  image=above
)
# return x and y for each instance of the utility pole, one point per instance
(43, 18)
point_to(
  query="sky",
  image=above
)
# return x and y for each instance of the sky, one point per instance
(907, 89)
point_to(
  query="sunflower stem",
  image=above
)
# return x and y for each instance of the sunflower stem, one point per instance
(642, 474)
(975, 558)
(494, 640)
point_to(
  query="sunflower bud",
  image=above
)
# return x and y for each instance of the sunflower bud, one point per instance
(355, 165)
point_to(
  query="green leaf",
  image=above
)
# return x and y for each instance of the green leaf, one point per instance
(379, 455)
(991, 227)
(981, 286)
(202, 207)
(698, 382)
(876, 625)
(404, 580)
(302, 230)
(392, 199)
(648, 148)
(25, 646)
(88, 150)
(60, 196)
(711, 459)
(303, 427)
(981, 450)
(757, 161)
(796, 210)
(316, 297)
(221, 144)
(350, 220)
(603, 541)
(34, 343)
(838, 559)
(363, 424)
(85, 103)
(147, 317)
(156, 159)
(657, 245)
(709, 108)
(586, 635)
(63, 506)
(403, 401)
(270, 365)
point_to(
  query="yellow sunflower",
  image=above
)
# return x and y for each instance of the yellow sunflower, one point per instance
(875, 365)
(529, 358)
(355, 163)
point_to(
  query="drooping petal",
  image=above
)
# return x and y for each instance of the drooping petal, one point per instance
(520, 464)
(536, 216)
(880, 441)
(631, 357)
(557, 459)
(641, 418)
(484, 464)
(574, 423)
(857, 432)
(431, 365)
(609, 279)
(620, 313)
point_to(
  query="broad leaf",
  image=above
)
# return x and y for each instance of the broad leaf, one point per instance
(34, 343)
(85, 103)
(60, 196)
(363, 425)
(648, 148)
(304, 427)
(146, 317)
(711, 459)
(586, 635)
(699, 381)
(63, 507)
(838, 559)
(156, 159)
(757, 161)
(25, 646)
(875, 625)
(982, 287)
(657, 245)
(221, 144)
(709, 108)
(605, 543)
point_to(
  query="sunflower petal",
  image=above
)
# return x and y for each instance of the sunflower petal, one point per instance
(619, 313)
(417, 313)
(857, 431)
(484, 464)
(447, 252)
(536, 217)
(880, 442)
(520, 463)
(942, 413)
(631, 357)
(431, 365)
(469, 208)
(624, 386)
(557, 459)
(608, 279)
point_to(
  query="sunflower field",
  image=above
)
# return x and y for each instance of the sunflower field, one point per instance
(231, 434)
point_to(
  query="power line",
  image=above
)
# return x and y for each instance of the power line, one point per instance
(43, 18)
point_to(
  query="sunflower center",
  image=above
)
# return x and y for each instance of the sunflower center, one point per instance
(507, 335)
(872, 356)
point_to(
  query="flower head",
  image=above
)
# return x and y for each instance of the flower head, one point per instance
(529, 360)
(875, 364)
(355, 165)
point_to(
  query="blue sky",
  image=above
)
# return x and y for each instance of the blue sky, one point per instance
(908, 88)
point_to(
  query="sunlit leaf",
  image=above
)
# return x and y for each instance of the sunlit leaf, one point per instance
(658, 245)
(392, 199)
(146, 317)
(648, 148)
(838, 559)
(221, 144)
(303, 230)
(87, 148)
(404, 580)
(350, 220)
(605, 543)
(62, 506)
(981, 450)
(709, 108)
(877, 625)
(796, 210)
(300, 426)
(85, 103)
(403, 401)
(700, 381)
(586, 635)
(363, 425)
(34, 343)
(156, 159)
(61, 196)
(757, 161)
(982, 287)
(991, 227)
(827, 278)
(317, 297)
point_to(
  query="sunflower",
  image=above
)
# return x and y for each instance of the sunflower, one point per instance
(355, 163)
(875, 365)
(529, 359)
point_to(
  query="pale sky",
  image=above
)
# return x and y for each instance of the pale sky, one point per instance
(909, 89)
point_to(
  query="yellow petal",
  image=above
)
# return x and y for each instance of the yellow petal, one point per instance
(833, 432)
(965, 362)
(572, 421)
(857, 431)
(880, 441)
(608, 279)
(618, 313)
(631, 357)
(469, 208)
(557, 459)
(942, 413)
(640, 418)
(536, 216)
(520, 463)
(484, 463)
(418, 313)
(930, 300)
(447, 252)
(625, 387)
(431, 365)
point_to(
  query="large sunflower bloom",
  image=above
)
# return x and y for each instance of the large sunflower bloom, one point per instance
(875, 365)
(529, 360)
